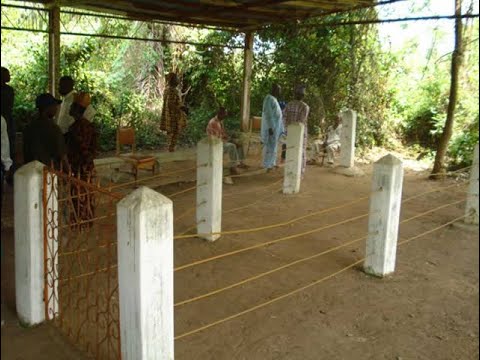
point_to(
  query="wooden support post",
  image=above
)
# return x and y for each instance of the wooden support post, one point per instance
(53, 50)
(247, 80)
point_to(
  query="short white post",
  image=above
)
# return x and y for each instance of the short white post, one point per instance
(145, 274)
(29, 275)
(210, 186)
(385, 203)
(347, 138)
(471, 211)
(293, 162)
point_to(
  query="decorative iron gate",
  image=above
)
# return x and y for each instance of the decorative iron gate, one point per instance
(80, 262)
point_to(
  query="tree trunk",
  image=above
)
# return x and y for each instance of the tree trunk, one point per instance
(442, 147)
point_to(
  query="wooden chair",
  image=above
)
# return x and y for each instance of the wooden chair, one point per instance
(126, 136)
(254, 133)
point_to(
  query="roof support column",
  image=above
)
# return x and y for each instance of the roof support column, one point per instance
(53, 49)
(247, 81)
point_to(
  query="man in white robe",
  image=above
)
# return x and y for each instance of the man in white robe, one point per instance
(63, 119)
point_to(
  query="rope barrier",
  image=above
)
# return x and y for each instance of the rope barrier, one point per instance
(183, 267)
(300, 260)
(323, 279)
(272, 226)
(451, 172)
(253, 190)
(134, 182)
(256, 277)
(432, 210)
(441, 188)
(183, 191)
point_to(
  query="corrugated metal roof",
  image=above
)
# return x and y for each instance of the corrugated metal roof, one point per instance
(238, 14)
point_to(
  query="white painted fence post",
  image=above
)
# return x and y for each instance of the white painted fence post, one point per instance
(471, 211)
(347, 138)
(293, 163)
(385, 203)
(145, 273)
(29, 275)
(210, 187)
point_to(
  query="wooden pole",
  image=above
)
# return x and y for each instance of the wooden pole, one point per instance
(247, 81)
(53, 49)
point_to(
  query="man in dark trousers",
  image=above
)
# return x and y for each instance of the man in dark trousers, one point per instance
(7, 98)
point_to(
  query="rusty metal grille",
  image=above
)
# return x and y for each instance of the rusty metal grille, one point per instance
(80, 262)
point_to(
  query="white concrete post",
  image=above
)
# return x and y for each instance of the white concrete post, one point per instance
(210, 186)
(385, 203)
(471, 211)
(347, 138)
(145, 274)
(29, 277)
(293, 163)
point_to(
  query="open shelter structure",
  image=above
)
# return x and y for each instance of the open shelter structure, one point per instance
(242, 16)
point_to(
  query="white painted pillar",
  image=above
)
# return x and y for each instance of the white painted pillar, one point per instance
(209, 191)
(28, 213)
(385, 203)
(347, 138)
(293, 162)
(471, 211)
(145, 274)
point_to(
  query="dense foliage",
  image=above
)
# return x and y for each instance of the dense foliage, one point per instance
(343, 67)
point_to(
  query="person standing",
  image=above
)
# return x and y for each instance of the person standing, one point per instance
(7, 100)
(82, 150)
(64, 120)
(42, 139)
(6, 160)
(297, 111)
(174, 117)
(271, 128)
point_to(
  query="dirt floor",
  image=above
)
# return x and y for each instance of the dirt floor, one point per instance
(428, 309)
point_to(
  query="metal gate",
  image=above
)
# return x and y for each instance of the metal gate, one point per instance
(80, 262)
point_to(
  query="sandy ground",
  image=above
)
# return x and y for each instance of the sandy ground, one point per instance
(427, 310)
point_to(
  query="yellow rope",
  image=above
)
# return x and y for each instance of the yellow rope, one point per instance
(272, 226)
(134, 182)
(450, 172)
(267, 273)
(182, 191)
(185, 213)
(252, 190)
(301, 260)
(268, 243)
(432, 210)
(439, 189)
(274, 300)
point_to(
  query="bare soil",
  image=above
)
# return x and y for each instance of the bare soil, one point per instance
(428, 309)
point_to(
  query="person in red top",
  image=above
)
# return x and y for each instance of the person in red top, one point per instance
(234, 148)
